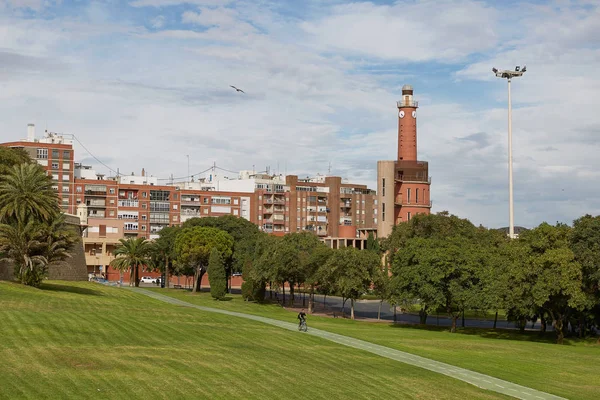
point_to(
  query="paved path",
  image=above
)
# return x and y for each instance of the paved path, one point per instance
(480, 380)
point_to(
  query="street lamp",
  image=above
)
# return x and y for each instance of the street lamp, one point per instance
(508, 75)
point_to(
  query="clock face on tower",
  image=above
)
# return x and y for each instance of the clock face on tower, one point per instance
(414, 114)
(401, 114)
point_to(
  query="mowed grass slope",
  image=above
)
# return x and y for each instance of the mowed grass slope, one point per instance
(84, 340)
(571, 371)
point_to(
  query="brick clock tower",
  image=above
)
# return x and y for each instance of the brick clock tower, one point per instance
(403, 186)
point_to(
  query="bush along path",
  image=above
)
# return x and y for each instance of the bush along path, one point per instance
(474, 378)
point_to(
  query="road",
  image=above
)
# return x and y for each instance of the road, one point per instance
(482, 381)
(369, 308)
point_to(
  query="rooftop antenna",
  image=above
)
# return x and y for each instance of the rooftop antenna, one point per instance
(329, 170)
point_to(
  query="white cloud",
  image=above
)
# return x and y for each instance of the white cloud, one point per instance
(158, 22)
(415, 31)
(145, 99)
(167, 3)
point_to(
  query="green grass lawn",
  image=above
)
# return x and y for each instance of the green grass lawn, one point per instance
(84, 340)
(571, 371)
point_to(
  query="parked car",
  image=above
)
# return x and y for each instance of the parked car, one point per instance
(236, 274)
(147, 279)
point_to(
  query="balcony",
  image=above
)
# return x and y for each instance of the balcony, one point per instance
(95, 193)
(413, 178)
(279, 210)
(96, 203)
(130, 227)
(129, 203)
(191, 213)
(268, 220)
(398, 202)
(407, 103)
(346, 204)
(190, 202)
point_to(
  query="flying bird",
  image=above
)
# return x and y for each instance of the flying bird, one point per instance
(237, 90)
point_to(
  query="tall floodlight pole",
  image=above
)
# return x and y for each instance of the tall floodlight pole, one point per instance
(508, 75)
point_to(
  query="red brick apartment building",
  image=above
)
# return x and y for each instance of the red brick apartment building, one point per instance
(55, 155)
(340, 213)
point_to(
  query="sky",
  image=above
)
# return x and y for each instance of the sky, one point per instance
(143, 83)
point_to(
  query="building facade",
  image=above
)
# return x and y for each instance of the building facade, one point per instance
(403, 185)
(113, 208)
(55, 154)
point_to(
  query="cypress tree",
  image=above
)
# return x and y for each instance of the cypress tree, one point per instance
(217, 277)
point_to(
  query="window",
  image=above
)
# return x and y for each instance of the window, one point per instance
(375, 202)
(144, 217)
(357, 212)
(408, 216)
(259, 217)
(65, 177)
(174, 218)
(174, 206)
(363, 212)
(54, 164)
(55, 188)
(66, 165)
(111, 213)
(144, 194)
(42, 153)
(259, 208)
(111, 190)
(144, 205)
(260, 197)
(206, 210)
(236, 201)
(174, 196)
(65, 189)
(55, 177)
(408, 196)
(112, 201)
(236, 212)
(383, 186)
(55, 154)
(205, 200)
(66, 154)
(143, 227)
(416, 195)
(383, 211)
(374, 220)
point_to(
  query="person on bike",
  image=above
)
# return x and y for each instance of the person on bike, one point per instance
(301, 317)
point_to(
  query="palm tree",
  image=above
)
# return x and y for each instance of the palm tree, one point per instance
(21, 244)
(132, 254)
(32, 246)
(27, 191)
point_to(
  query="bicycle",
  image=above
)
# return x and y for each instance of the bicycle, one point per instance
(302, 327)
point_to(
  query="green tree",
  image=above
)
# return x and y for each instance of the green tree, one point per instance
(9, 157)
(216, 275)
(352, 271)
(440, 273)
(132, 254)
(257, 270)
(381, 286)
(316, 262)
(584, 241)
(32, 246)
(245, 235)
(26, 191)
(163, 251)
(372, 243)
(292, 259)
(555, 275)
(193, 247)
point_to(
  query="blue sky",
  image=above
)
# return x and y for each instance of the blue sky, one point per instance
(144, 82)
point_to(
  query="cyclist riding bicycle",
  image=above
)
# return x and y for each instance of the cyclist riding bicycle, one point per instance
(301, 318)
